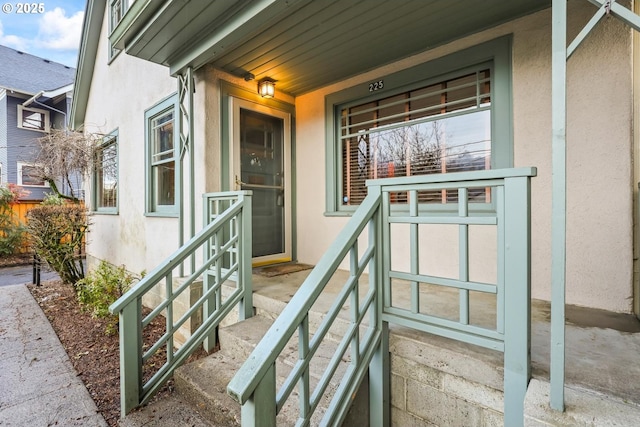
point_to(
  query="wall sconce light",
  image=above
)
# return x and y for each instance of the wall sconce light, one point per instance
(267, 87)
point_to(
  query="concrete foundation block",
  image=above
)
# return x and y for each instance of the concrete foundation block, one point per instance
(492, 418)
(404, 419)
(583, 408)
(440, 409)
(408, 368)
(398, 392)
(474, 392)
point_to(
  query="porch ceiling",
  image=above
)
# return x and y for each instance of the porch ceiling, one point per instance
(302, 44)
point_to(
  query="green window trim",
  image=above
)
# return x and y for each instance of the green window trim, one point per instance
(100, 204)
(155, 160)
(496, 52)
(117, 10)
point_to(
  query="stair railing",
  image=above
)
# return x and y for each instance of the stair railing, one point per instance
(225, 242)
(397, 208)
(254, 385)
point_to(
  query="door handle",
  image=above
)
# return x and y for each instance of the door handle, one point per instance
(239, 183)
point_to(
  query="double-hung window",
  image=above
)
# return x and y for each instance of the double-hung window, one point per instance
(161, 134)
(449, 115)
(105, 183)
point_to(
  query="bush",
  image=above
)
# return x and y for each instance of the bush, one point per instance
(103, 287)
(53, 200)
(11, 231)
(57, 235)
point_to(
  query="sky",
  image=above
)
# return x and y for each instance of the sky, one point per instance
(51, 30)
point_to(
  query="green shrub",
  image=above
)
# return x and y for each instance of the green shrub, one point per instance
(53, 200)
(57, 236)
(101, 288)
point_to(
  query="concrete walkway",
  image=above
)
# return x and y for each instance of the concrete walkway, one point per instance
(39, 385)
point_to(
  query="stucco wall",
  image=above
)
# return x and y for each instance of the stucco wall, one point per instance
(599, 251)
(118, 101)
(599, 245)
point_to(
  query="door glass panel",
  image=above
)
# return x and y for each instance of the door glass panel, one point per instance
(262, 171)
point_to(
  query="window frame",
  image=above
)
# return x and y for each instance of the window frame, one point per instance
(124, 6)
(45, 113)
(108, 140)
(20, 166)
(496, 52)
(169, 104)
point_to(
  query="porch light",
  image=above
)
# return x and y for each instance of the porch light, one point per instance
(267, 87)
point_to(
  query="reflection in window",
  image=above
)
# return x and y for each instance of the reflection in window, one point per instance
(28, 175)
(33, 119)
(443, 127)
(106, 173)
(162, 160)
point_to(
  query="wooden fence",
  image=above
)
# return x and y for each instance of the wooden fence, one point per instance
(19, 210)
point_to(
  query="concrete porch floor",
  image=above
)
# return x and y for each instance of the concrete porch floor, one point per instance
(602, 348)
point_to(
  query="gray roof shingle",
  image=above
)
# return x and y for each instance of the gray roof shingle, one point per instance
(30, 74)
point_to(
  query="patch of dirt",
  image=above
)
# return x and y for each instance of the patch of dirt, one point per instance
(93, 353)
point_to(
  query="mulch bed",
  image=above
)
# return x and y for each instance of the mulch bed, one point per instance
(94, 353)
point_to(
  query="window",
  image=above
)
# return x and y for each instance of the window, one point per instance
(105, 174)
(117, 10)
(28, 176)
(441, 127)
(161, 158)
(450, 115)
(33, 119)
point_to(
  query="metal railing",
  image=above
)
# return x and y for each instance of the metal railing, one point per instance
(225, 242)
(263, 390)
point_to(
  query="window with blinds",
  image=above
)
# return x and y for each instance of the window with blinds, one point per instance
(439, 128)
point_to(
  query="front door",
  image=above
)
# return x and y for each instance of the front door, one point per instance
(261, 162)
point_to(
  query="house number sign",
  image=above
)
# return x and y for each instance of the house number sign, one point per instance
(377, 85)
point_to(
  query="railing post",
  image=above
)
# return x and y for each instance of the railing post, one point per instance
(379, 369)
(245, 273)
(130, 330)
(208, 308)
(260, 409)
(517, 266)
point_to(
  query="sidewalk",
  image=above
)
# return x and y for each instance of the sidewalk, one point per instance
(39, 385)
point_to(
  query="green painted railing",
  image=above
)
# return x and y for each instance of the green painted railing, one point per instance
(225, 243)
(393, 210)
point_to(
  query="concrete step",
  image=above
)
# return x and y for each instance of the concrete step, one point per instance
(203, 383)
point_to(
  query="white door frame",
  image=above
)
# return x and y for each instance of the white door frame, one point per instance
(235, 104)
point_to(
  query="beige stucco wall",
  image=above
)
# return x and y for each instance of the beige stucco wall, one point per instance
(599, 252)
(599, 245)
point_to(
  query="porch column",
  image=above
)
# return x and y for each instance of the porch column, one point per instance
(559, 200)
(185, 126)
(560, 55)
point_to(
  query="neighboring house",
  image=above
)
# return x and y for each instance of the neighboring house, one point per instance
(35, 96)
(362, 90)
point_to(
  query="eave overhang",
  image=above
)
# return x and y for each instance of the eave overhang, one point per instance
(93, 17)
(302, 44)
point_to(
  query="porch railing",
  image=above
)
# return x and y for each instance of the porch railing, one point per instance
(225, 243)
(497, 198)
